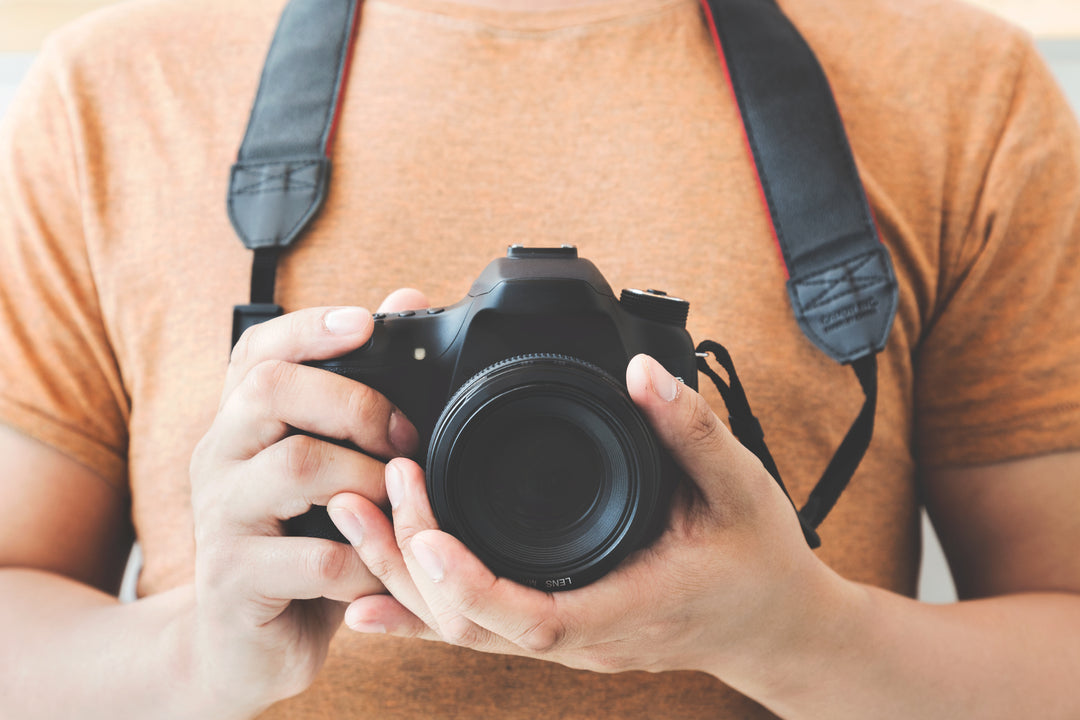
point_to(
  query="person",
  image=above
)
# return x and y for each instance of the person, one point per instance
(468, 125)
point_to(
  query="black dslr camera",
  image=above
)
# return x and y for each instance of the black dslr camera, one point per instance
(536, 457)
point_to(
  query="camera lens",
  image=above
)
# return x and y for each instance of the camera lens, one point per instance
(545, 469)
(550, 492)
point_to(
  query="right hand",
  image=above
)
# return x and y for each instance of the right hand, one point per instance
(267, 605)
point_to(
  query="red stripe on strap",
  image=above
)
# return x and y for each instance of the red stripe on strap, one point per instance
(711, 22)
(344, 79)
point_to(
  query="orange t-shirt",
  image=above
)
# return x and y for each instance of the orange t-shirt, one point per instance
(610, 128)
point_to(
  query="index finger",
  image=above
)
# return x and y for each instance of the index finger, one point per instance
(462, 594)
(301, 336)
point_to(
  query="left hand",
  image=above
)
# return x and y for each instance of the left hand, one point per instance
(729, 581)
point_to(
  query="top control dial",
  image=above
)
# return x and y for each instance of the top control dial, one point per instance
(656, 305)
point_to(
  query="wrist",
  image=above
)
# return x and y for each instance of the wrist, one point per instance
(202, 685)
(813, 621)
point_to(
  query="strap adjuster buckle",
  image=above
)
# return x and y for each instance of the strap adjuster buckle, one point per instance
(246, 316)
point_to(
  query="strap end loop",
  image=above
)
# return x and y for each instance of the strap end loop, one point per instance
(246, 316)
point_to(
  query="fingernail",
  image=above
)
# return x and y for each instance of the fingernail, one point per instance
(663, 384)
(428, 560)
(371, 628)
(346, 321)
(395, 485)
(403, 435)
(362, 625)
(349, 525)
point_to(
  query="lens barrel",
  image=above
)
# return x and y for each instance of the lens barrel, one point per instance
(543, 467)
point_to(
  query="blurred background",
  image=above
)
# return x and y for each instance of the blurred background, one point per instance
(24, 22)
(1054, 23)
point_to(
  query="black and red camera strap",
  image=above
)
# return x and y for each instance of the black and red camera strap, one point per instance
(840, 277)
(841, 281)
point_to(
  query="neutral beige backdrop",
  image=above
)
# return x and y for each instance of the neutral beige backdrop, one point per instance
(23, 23)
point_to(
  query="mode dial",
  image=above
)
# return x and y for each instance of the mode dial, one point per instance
(656, 305)
(563, 251)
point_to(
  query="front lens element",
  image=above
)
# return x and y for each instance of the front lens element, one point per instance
(542, 475)
(544, 468)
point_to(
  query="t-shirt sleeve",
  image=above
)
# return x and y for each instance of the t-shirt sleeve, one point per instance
(59, 379)
(998, 369)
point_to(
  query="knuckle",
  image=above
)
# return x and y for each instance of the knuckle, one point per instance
(202, 510)
(326, 561)
(657, 633)
(302, 457)
(542, 637)
(605, 660)
(203, 535)
(362, 406)
(703, 426)
(267, 378)
(416, 631)
(205, 466)
(216, 562)
(206, 509)
(381, 567)
(212, 491)
(470, 601)
(460, 631)
(197, 465)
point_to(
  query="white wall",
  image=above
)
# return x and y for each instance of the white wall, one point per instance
(12, 67)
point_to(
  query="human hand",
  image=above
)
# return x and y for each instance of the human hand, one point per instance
(729, 581)
(267, 605)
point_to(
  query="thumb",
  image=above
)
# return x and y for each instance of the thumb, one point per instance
(686, 425)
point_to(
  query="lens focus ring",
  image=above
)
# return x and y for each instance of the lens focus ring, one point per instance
(545, 469)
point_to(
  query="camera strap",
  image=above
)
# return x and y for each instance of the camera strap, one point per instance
(282, 173)
(841, 281)
(840, 277)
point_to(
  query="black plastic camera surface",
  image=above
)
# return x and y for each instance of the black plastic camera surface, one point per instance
(536, 458)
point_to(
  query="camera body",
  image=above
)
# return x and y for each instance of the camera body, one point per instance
(536, 458)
